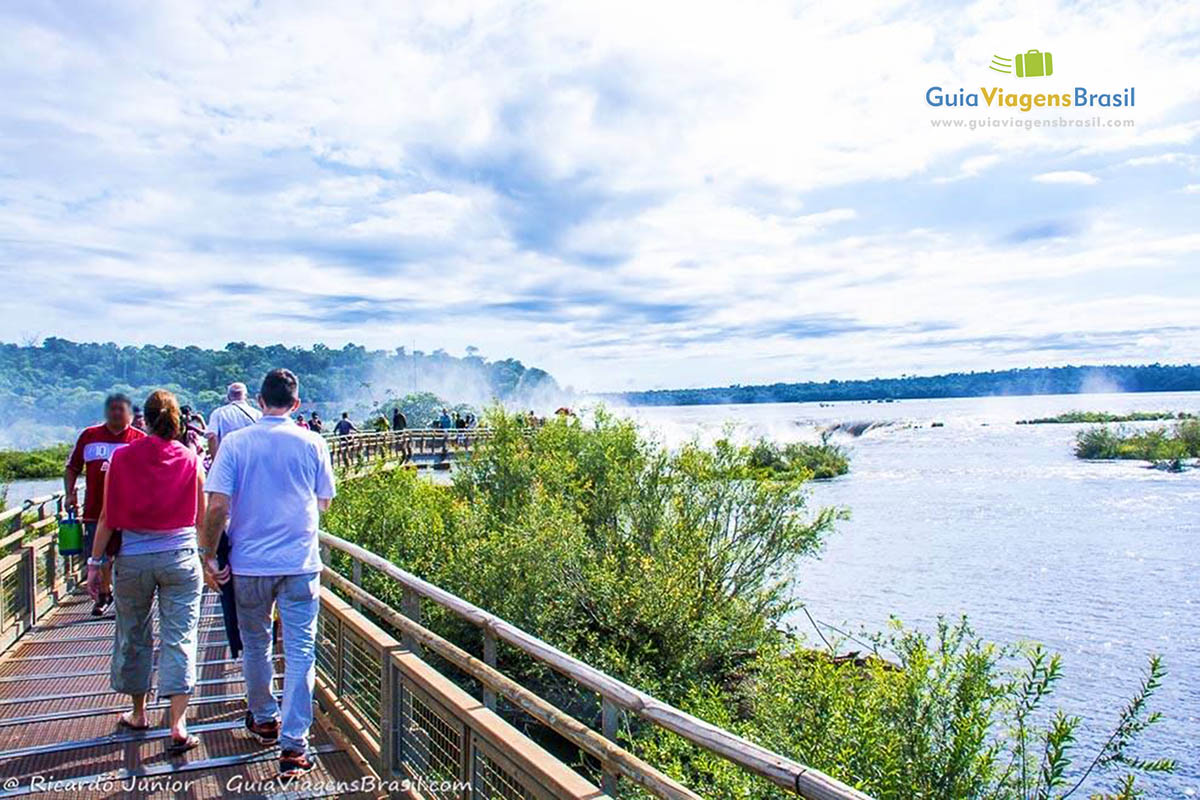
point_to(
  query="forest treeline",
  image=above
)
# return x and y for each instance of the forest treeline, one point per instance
(1027, 381)
(64, 382)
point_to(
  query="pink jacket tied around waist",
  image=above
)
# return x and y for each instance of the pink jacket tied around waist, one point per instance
(152, 486)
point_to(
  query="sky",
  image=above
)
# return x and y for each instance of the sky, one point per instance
(627, 194)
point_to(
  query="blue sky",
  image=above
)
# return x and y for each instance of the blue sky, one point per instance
(630, 195)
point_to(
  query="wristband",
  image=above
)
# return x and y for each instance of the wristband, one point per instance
(97, 562)
(204, 551)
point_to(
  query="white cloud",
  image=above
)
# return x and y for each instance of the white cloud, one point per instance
(657, 185)
(1190, 160)
(1067, 176)
(971, 168)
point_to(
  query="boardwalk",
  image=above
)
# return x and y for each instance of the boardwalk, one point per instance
(58, 723)
(394, 698)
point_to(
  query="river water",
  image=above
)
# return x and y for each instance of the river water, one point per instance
(1099, 561)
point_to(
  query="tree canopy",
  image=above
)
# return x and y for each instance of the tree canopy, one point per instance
(64, 383)
(1027, 381)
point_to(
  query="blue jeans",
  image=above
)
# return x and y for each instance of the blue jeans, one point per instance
(299, 600)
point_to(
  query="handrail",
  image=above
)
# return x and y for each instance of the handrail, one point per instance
(27, 505)
(32, 570)
(353, 451)
(780, 770)
(402, 431)
(542, 710)
(410, 721)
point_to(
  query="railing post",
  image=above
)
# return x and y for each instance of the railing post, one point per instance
(489, 658)
(52, 576)
(29, 568)
(339, 652)
(326, 558)
(410, 606)
(610, 718)
(388, 692)
(356, 577)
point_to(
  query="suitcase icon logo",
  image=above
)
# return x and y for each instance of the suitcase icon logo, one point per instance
(1034, 64)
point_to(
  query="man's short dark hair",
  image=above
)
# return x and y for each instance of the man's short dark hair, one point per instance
(117, 397)
(280, 389)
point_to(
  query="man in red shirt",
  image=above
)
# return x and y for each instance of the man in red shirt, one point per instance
(89, 457)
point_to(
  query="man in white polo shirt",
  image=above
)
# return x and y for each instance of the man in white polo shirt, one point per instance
(234, 415)
(224, 420)
(270, 481)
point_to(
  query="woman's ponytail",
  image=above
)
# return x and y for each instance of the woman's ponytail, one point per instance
(162, 415)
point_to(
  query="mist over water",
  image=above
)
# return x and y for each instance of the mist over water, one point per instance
(1097, 560)
(49, 414)
(456, 383)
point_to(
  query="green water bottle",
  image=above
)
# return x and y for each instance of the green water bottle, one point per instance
(70, 535)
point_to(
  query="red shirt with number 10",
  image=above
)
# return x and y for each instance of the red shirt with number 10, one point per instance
(90, 456)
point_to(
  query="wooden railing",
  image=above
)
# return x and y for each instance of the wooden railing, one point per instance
(421, 732)
(32, 573)
(407, 718)
(357, 450)
(616, 696)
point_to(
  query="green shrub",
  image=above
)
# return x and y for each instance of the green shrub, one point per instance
(959, 718)
(817, 461)
(1162, 446)
(48, 462)
(673, 571)
(1105, 417)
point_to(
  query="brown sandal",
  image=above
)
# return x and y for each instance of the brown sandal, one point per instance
(123, 722)
(180, 746)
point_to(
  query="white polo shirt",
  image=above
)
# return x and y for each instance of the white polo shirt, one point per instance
(274, 473)
(231, 417)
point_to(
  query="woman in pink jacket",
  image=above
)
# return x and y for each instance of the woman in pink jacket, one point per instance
(153, 499)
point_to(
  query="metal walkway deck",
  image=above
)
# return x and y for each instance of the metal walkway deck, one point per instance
(58, 722)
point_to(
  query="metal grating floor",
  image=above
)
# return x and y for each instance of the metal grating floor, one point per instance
(58, 723)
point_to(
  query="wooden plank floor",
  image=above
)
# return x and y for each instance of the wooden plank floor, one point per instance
(58, 722)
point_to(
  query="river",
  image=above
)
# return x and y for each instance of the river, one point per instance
(1099, 561)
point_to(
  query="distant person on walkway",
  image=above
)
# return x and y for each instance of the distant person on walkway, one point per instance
(314, 423)
(154, 496)
(399, 421)
(192, 435)
(444, 421)
(90, 457)
(344, 425)
(139, 419)
(235, 414)
(271, 481)
(300, 421)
